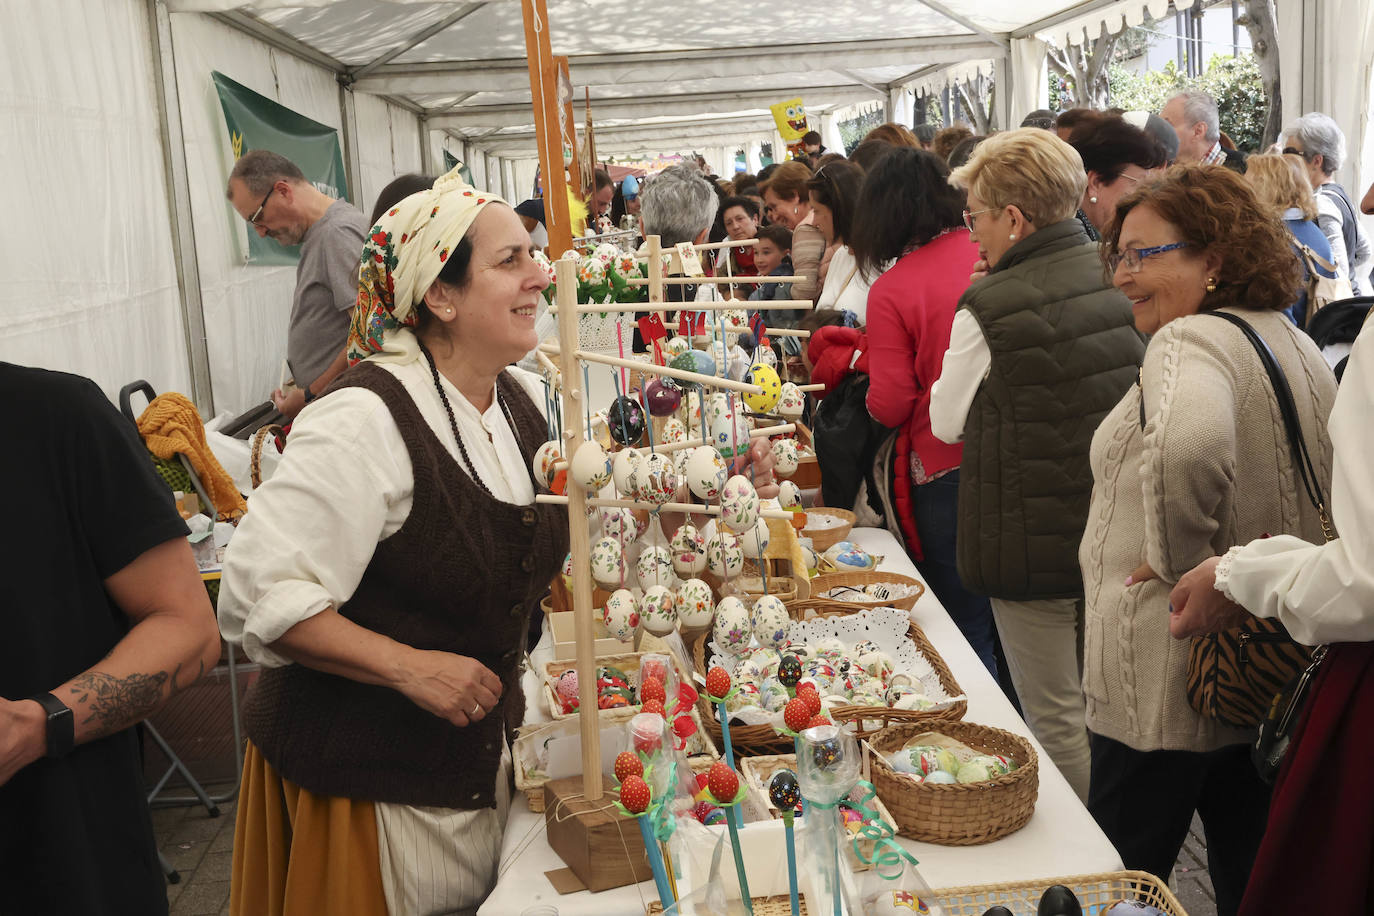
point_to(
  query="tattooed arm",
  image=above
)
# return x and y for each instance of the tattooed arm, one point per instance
(172, 641)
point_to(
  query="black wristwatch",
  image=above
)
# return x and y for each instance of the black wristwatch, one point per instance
(309, 395)
(60, 724)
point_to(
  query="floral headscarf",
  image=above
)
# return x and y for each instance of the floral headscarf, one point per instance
(402, 257)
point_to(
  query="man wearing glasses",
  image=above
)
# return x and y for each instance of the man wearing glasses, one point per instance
(274, 196)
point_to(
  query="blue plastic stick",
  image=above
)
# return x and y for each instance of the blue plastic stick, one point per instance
(665, 891)
(791, 861)
(731, 815)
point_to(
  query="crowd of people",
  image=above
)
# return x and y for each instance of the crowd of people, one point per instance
(1096, 344)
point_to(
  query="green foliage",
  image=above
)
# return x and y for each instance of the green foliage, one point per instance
(853, 131)
(1233, 81)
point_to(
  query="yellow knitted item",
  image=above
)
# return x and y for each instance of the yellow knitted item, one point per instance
(171, 425)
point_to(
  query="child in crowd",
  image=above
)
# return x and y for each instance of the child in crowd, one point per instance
(771, 260)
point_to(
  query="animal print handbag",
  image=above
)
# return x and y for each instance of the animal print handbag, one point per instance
(1234, 676)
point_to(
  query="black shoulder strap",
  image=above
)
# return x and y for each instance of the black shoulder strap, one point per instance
(1301, 458)
(1350, 229)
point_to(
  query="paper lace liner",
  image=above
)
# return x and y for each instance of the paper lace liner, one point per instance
(885, 627)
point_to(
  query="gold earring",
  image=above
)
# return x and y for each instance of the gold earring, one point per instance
(1211, 284)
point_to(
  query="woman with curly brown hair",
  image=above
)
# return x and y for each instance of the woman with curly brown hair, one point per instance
(787, 201)
(1193, 459)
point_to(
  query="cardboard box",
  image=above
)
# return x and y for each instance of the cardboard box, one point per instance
(602, 847)
(565, 645)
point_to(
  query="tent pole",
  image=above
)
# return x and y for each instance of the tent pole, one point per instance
(426, 150)
(352, 165)
(179, 208)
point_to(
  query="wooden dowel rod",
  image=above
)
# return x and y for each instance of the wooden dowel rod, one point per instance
(816, 387)
(546, 362)
(688, 281)
(771, 332)
(711, 246)
(710, 381)
(695, 508)
(779, 430)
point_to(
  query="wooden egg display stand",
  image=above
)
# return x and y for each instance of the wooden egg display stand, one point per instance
(581, 825)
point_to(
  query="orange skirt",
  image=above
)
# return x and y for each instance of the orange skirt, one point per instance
(297, 853)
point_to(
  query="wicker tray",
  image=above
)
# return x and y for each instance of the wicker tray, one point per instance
(823, 538)
(627, 662)
(963, 814)
(763, 906)
(754, 740)
(824, 583)
(1094, 892)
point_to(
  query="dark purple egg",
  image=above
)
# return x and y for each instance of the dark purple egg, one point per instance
(663, 396)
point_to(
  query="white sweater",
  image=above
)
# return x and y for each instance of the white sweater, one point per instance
(1211, 469)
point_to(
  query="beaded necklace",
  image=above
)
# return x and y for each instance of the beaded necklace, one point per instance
(453, 421)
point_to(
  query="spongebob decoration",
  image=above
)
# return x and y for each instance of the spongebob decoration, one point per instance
(790, 117)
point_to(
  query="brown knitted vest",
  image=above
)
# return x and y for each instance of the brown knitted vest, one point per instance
(461, 575)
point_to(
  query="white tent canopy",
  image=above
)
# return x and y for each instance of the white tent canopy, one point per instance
(131, 263)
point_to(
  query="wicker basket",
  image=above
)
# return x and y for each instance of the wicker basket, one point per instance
(762, 906)
(627, 662)
(1094, 892)
(255, 451)
(823, 538)
(962, 814)
(821, 584)
(755, 740)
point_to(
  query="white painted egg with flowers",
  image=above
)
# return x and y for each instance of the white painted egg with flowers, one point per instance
(789, 495)
(791, 401)
(657, 612)
(655, 567)
(739, 504)
(672, 432)
(621, 614)
(622, 468)
(590, 466)
(543, 461)
(608, 563)
(732, 629)
(723, 555)
(785, 457)
(618, 523)
(688, 548)
(706, 472)
(755, 541)
(695, 606)
(654, 479)
(770, 621)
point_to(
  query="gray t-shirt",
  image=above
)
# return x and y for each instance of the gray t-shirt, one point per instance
(326, 290)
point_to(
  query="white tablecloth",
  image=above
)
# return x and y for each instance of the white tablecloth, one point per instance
(1060, 839)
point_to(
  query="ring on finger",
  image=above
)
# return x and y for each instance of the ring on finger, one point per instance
(476, 710)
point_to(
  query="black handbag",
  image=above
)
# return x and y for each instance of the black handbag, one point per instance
(1276, 728)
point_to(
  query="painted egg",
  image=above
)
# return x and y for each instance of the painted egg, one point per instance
(566, 685)
(784, 791)
(641, 517)
(622, 466)
(728, 432)
(673, 431)
(789, 495)
(773, 696)
(785, 457)
(663, 396)
(717, 353)
(770, 622)
(766, 356)
(654, 480)
(748, 695)
(600, 432)
(617, 523)
(706, 472)
(739, 504)
(626, 419)
(766, 378)
(590, 466)
(789, 669)
(791, 401)
(810, 556)
(621, 614)
(608, 563)
(845, 555)
(656, 610)
(676, 346)
(695, 606)
(732, 631)
(655, 567)
(723, 555)
(755, 541)
(702, 362)
(688, 548)
(543, 461)
(567, 572)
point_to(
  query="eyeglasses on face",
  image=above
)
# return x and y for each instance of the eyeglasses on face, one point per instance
(1294, 151)
(970, 215)
(257, 214)
(1134, 258)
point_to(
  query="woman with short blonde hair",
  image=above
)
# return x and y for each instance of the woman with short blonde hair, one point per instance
(1280, 183)
(1040, 349)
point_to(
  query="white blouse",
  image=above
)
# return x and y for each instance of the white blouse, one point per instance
(1323, 592)
(845, 287)
(344, 484)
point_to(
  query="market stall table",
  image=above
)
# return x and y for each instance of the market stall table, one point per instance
(1060, 839)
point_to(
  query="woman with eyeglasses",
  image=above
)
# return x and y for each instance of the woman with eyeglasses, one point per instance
(1193, 459)
(834, 193)
(787, 202)
(1039, 350)
(1117, 157)
(1318, 140)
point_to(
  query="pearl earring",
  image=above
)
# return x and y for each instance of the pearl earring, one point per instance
(1092, 200)
(1011, 237)
(448, 311)
(1211, 284)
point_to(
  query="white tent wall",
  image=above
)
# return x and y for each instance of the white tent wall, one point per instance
(388, 145)
(93, 286)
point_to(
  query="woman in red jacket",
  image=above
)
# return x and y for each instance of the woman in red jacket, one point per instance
(910, 212)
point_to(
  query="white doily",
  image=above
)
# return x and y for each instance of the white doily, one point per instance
(596, 332)
(885, 627)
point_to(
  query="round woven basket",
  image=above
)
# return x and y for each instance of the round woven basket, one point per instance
(823, 538)
(963, 814)
(857, 580)
(745, 740)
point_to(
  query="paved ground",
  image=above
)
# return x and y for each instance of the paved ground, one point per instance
(200, 848)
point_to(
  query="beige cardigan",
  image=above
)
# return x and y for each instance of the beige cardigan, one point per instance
(1211, 469)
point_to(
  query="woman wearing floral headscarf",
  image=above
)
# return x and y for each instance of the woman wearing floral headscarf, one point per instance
(385, 578)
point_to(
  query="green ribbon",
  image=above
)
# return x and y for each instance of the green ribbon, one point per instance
(887, 852)
(661, 820)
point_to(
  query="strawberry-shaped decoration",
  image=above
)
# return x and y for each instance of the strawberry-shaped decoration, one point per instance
(684, 727)
(634, 795)
(652, 689)
(717, 682)
(686, 694)
(796, 714)
(723, 782)
(627, 765)
(807, 692)
(654, 706)
(817, 720)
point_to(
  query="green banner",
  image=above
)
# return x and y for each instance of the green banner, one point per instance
(451, 162)
(257, 122)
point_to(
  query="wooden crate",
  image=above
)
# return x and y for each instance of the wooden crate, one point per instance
(601, 846)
